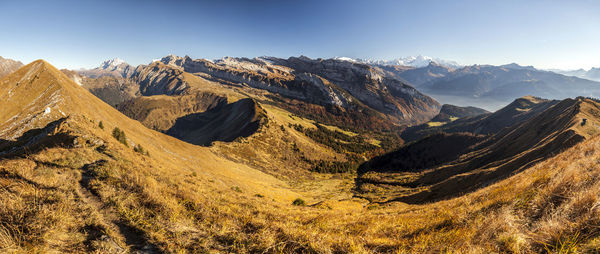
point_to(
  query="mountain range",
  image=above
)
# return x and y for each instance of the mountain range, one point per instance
(412, 61)
(591, 74)
(334, 91)
(489, 86)
(293, 155)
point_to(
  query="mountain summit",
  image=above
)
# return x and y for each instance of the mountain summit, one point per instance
(115, 68)
(412, 61)
(113, 63)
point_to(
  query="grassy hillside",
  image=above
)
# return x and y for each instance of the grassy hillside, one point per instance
(505, 153)
(518, 111)
(70, 185)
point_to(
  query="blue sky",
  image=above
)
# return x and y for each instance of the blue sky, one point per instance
(74, 34)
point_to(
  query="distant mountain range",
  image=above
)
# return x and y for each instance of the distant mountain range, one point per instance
(115, 67)
(489, 86)
(485, 86)
(339, 92)
(592, 74)
(413, 61)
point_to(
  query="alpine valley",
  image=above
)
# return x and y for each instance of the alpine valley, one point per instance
(297, 155)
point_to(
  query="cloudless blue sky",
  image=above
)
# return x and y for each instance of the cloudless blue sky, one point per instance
(74, 34)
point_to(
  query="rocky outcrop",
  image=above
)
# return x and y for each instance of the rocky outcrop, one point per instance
(367, 84)
(156, 79)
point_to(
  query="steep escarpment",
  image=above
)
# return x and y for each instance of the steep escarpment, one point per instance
(341, 89)
(155, 80)
(367, 84)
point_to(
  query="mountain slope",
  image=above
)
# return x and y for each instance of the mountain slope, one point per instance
(56, 130)
(7, 66)
(511, 150)
(450, 113)
(346, 94)
(70, 186)
(519, 110)
(221, 123)
(334, 91)
(160, 112)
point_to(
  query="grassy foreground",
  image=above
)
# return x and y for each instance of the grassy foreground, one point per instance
(108, 198)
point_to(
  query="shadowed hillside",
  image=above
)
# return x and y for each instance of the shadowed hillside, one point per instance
(160, 112)
(519, 110)
(505, 153)
(450, 113)
(221, 123)
(430, 151)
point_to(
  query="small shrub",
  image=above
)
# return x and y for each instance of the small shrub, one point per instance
(259, 195)
(120, 136)
(236, 189)
(139, 149)
(299, 202)
(101, 125)
(373, 207)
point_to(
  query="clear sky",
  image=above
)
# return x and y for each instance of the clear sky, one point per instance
(74, 34)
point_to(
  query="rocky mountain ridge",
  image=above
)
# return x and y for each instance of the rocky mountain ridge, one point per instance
(336, 90)
(114, 68)
(8, 66)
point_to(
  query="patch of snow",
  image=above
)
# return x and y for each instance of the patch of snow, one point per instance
(112, 63)
(414, 61)
(77, 80)
(47, 111)
(343, 58)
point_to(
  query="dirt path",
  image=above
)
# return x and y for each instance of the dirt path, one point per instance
(133, 238)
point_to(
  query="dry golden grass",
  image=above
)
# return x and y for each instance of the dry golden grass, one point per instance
(101, 196)
(550, 207)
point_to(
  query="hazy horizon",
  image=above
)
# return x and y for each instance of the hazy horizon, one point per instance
(71, 34)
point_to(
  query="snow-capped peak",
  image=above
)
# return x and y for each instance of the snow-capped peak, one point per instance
(414, 61)
(113, 63)
(343, 58)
